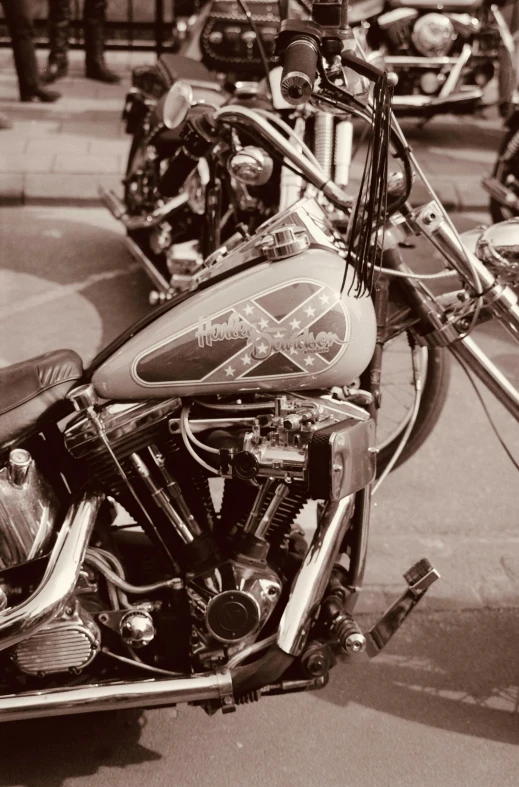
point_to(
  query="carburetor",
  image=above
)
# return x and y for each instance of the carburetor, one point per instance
(328, 445)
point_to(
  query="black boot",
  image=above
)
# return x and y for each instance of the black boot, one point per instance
(40, 95)
(59, 19)
(94, 12)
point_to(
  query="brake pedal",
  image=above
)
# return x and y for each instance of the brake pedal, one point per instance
(419, 579)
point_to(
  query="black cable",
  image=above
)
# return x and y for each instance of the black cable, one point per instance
(487, 413)
(261, 48)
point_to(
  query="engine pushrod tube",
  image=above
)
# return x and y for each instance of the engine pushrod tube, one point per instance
(314, 575)
(60, 578)
(115, 696)
(314, 174)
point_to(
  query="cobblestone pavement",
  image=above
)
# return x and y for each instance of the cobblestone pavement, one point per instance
(61, 152)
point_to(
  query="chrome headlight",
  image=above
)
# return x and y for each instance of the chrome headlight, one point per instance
(498, 247)
(433, 35)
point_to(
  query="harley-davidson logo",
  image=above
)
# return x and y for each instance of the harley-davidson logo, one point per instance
(265, 342)
(298, 328)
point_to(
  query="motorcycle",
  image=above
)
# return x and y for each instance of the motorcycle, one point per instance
(443, 54)
(503, 184)
(239, 378)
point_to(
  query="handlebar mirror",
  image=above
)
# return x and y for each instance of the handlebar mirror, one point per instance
(177, 104)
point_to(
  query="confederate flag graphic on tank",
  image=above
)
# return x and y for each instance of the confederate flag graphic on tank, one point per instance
(298, 328)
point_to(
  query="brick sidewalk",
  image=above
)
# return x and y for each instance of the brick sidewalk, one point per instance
(60, 153)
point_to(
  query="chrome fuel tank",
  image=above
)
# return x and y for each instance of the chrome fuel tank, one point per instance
(278, 324)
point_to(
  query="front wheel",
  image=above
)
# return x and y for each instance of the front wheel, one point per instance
(398, 397)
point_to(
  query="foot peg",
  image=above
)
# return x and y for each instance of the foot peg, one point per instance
(419, 578)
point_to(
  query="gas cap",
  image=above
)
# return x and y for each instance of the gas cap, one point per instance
(285, 242)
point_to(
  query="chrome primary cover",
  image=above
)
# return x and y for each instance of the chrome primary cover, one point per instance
(273, 325)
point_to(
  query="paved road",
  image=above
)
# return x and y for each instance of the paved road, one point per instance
(440, 706)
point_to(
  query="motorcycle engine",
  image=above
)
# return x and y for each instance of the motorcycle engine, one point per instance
(433, 35)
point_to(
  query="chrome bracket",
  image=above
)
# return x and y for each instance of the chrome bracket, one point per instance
(225, 688)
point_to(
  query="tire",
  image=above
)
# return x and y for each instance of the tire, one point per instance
(435, 376)
(510, 151)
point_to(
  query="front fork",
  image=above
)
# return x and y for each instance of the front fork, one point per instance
(499, 298)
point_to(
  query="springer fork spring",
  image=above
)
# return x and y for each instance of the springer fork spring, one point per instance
(323, 141)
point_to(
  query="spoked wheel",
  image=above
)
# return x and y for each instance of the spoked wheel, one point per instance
(507, 172)
(398, 396)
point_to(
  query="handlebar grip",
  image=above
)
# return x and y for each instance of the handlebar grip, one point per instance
(299, 70)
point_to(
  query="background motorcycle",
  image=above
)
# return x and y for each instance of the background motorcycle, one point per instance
(443, 54)
(503, 184)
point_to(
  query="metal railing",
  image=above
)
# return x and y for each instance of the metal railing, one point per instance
(130, 24)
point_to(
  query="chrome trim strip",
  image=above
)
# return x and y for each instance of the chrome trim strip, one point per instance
(115, 696)
(60, 578)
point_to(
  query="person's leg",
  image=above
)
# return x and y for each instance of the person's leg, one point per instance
(59, 20)
(94, 14)
(19, 22)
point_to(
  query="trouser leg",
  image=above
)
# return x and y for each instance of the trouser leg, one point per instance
(19, 22)
(59, 23)
(94, 15)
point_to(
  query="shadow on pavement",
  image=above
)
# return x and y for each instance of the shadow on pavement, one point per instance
(66, 280)
(47, 753)
(455, 671)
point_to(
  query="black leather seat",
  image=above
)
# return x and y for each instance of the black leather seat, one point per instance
(28, 390)
(173, 67)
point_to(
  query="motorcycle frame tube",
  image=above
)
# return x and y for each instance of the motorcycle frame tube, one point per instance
(314, 575)
(115, 696)
(60, 578)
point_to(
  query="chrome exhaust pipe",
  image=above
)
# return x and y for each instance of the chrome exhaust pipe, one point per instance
(314, 575)
(118, 210)
(117, 696)
(501, 193)
(60, 578)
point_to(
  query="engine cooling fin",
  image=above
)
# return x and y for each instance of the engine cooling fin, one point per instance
(237, 501)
